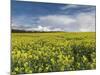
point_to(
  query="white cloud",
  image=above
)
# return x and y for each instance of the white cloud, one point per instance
(41, 28)
(86, 21)
(56, 29)
(20, 26)
(81, 22)
(14, 26)
(69, 7)
(56, 19)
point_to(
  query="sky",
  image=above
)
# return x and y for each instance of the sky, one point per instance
(37, 16)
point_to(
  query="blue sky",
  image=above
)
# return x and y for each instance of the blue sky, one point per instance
(52, 17)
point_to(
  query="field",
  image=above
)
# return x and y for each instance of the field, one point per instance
(51, 52)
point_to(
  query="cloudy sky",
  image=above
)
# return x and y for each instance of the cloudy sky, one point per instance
(35, 16)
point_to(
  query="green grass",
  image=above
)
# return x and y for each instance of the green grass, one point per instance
(50, 52)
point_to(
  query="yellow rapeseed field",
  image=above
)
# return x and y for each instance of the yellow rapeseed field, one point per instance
(51, 52)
